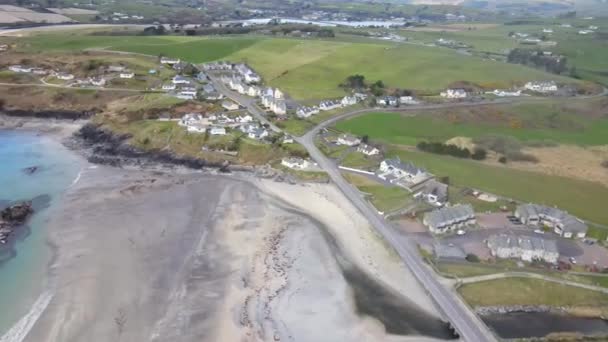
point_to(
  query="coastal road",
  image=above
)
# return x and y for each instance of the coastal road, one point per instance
(466, 323)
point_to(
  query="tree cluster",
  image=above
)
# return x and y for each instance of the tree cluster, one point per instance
(444, 149)
(537, 59)
(357, 82)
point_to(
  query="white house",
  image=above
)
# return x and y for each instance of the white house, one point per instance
(547, 30)
(116, 68)
(541, 87)
(306, 112)
(190, 118)
(177, 79)
(348, 140)
(408, 100)
(349, 101)
(368, 150)
(585, 32)
(188, 92)
(229, 105)
(127, 75)
(65, 76)
(169, 86)
(259, 133)
(394, 171)
(279, 107)
(196, 127)
(20, 69)
(245, 119)
(217, 130)
(454, 94)
(330, 105)
(97, 81)
(295, 163)
(39, 71)
(288, 139)
(505, 93)
(254, 91)
(184, 96)
(170, 61)
(3, 47)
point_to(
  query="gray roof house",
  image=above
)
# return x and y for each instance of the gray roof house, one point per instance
(449, 218)
(562, 223)
(527, 248)
(405, 174)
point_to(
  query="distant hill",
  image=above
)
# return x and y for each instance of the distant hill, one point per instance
(10, 14)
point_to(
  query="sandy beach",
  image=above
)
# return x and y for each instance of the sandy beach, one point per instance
(190, 256)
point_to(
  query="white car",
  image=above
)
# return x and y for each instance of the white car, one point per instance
(572, 260)
(538, 231)
(460, 232)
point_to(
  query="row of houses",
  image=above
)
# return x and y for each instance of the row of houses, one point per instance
(392, 101)
(560, 221)
(526, 248)
(542, 87)
(218, 66)
(250, 76)
(448, 219)
(216, 124)
(327, 105)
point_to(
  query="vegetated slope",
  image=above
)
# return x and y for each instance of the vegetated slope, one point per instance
(545, 123)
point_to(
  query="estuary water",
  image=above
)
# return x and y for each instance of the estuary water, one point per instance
(23, 261)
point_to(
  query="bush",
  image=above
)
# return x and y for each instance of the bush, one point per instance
(502, 160)
(604, 163)
(498, 143)
(479, 154)
(472, 258)
(522, 157)
(441, 148)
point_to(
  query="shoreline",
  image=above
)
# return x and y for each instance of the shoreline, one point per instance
(120, 185)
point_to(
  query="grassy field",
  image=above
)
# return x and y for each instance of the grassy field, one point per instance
(581, 198)
(385, 199)
(526, 122)
(523, 291)
(588, 53)
(313, 69)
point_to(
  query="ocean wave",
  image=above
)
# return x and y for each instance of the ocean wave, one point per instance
(20, 330)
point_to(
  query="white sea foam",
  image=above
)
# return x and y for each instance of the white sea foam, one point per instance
(76, 179)
(19, 331)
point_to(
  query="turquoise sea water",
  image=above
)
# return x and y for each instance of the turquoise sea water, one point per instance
(22, 277)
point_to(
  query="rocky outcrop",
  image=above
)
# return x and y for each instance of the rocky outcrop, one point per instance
(490, 310)
(103, 146)
(12, 217)
(30, 170)
(49, 114)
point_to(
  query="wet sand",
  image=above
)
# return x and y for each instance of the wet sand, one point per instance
(149, 256)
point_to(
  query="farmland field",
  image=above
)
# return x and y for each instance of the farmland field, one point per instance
(572, 121)
(313, 69)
